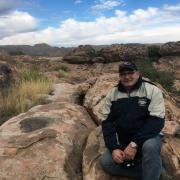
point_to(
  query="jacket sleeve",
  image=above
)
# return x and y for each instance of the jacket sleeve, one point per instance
(108, 127)
(155, 120)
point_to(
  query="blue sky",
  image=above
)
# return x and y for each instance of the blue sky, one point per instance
(75, 22)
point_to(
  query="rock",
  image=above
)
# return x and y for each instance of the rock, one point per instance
(123, 52)
(70, 93)
(170, 49)
(64, 92)
(94, 97)
(4, 56)
(80, 55)
(46, 142)
(91, 158)
(170, 154)
(98, 60)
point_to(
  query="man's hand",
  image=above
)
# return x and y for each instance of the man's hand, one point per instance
(130, 152)
(118, 156)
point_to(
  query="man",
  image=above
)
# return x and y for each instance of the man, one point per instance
(133, 117)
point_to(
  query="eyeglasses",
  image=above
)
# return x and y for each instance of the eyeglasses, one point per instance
(127, 73)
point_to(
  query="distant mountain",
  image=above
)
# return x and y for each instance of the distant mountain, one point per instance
(42, 49)
(36, 50)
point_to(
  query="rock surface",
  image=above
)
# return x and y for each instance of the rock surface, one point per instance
(82, 54)
(113, 53)
(94, 97)
(170, 49)
(45, 143)
(123, 52)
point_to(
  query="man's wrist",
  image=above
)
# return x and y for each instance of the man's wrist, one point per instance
(133, 145)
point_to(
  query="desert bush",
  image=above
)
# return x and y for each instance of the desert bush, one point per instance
(62, 70)
(176, 92)
(153, 52)
(15, 53)
(24, 94)
(166, 79)
(32, 75)
(61, 67)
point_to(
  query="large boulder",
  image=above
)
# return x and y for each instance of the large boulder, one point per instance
(170, 49)
(66, 92)
(80, 55)
(94, 101)
(94, 97)
(47, 141)
(123, 52)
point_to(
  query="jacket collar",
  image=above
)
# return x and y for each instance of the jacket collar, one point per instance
(136, 85)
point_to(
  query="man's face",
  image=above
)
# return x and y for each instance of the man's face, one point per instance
(128, 78)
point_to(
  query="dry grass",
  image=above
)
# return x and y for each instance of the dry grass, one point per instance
(23, 96)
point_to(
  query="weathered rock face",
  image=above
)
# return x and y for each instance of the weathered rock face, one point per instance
(170, 49)
(66, 92)
(82, 54)
(94, 100)
(123, 52)
(113, 53)
(94, 97)
(46, 142)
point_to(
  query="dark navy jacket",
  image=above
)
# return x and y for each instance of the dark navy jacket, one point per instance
(135, 117)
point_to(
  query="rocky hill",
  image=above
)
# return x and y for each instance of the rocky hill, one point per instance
(40, 50)
(36, 50)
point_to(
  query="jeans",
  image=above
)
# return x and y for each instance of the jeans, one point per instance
(148, 169)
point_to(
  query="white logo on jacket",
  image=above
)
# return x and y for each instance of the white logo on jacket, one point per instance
(142, 102)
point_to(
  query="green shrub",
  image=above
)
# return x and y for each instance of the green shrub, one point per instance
(61, 67)
(15, 53)
(62, 70)
(166, 79)
(153, 52)
(32, 75)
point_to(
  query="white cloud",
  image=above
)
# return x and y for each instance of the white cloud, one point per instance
(102, 5)
(172, 8)
(141, 26)
(16, 22)
(77, 1)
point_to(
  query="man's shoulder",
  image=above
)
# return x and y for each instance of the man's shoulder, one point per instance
(151, 87)
(149, 84)
(113, 90)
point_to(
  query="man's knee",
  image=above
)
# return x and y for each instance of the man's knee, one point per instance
(152, 146)
(106, 161)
